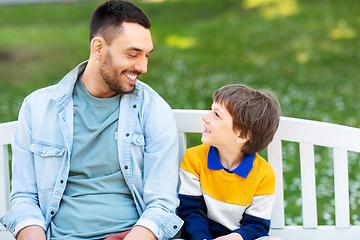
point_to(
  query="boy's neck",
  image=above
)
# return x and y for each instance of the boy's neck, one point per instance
(230, 159)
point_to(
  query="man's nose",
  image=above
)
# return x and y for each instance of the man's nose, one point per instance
(141, 65)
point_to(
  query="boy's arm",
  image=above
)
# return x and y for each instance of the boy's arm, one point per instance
(231, 236)
(256, 218)
(192, 207)
(193, 211)
(253, 227)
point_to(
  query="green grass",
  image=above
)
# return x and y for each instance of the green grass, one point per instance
(307, 52)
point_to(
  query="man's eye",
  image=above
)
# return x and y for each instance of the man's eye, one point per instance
(132, 55)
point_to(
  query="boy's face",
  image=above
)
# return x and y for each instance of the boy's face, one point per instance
(219, 130)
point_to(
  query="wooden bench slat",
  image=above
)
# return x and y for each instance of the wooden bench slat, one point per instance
(4, 180)
(6, 132)
(274, 152)
(341, 186)
(319, 133)
(308, 185)
(5, 235)
(320, 233)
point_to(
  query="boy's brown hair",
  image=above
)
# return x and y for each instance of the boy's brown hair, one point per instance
(256, 114)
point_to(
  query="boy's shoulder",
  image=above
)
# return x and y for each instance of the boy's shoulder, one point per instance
(199, 152)
(202, 148)
(196, 156)
(261, 163)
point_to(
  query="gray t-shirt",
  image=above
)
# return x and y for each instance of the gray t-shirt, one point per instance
(97, 202)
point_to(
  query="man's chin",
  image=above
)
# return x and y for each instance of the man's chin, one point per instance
(128, 90)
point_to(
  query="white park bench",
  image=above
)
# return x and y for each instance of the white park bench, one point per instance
(307, 133)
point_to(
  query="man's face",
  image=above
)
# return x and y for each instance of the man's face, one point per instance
(126, 58)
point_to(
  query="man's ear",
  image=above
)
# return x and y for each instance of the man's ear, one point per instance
(97, 46)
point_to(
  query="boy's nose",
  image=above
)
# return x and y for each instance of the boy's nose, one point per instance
(205, 117)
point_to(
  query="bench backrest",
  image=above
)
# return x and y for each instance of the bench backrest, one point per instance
(307, 133)
(6, 132)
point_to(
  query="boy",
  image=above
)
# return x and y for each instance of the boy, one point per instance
(226, 188)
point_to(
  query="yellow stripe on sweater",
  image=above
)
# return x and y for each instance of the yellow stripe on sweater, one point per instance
(216, 183)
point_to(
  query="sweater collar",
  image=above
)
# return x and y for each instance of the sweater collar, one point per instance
(242, 170)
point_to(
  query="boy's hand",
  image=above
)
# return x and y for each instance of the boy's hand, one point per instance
(231, 236)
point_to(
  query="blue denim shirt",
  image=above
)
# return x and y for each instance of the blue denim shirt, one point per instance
(42, 143)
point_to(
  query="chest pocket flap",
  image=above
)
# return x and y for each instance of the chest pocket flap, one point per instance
(47, 150)
(138, 139)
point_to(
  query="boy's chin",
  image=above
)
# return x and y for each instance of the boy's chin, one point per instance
(203, 140)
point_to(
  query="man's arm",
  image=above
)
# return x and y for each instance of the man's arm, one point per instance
(32, 232)
(25, 210)
(140, 233)
(160, 171)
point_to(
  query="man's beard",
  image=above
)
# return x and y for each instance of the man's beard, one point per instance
(113, 79)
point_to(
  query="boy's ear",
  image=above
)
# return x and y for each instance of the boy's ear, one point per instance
(242, 139)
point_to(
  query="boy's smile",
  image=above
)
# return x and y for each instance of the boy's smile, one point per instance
(206, 130)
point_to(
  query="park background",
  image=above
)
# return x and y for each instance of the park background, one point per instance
(307, 52)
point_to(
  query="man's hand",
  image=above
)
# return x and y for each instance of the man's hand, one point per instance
(140, 233)
(231, 236)
(32, 232)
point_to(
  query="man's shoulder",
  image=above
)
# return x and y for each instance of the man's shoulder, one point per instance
(41, 93)
(143, 88)
(150, 99)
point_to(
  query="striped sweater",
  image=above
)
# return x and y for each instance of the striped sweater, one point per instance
(215, 201)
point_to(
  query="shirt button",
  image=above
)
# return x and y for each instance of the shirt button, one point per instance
(137, 140)
(175, 227)
(134, 106)
(44, 152)
(126, 167)
(128, 134)
(52, 212)
(61, 181)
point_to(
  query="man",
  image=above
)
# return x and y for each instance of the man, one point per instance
(97, 155)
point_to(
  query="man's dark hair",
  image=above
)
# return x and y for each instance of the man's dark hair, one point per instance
(256, 114)
(106, 19)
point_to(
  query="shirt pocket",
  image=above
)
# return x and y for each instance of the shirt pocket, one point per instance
(137, 154)
(47, 158)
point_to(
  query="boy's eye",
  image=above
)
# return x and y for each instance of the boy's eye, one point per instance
(216, 114)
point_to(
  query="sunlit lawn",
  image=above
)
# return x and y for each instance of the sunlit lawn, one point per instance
(307, 52)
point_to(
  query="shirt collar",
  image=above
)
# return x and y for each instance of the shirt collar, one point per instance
(242, 170)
